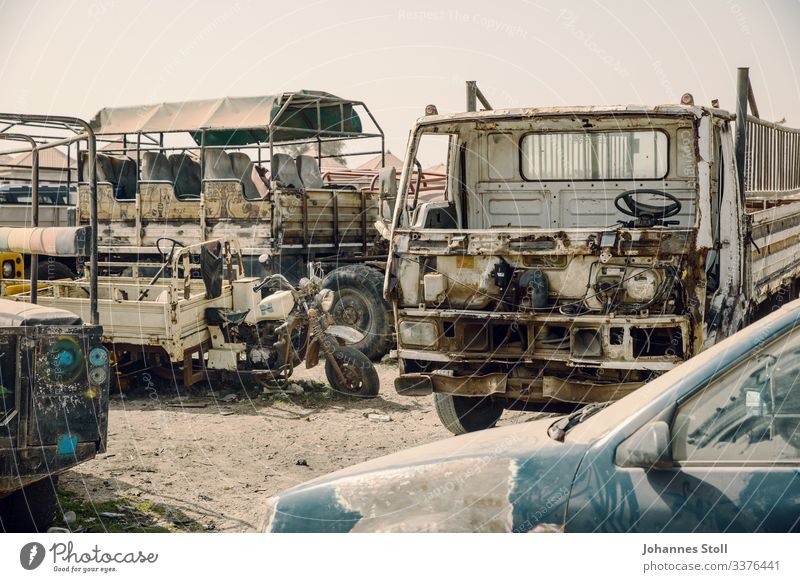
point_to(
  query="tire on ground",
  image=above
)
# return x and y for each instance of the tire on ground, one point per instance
(358, 302)
(357, 369)
(31, 509)
(463, 414)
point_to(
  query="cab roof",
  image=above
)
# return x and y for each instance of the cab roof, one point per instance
(576, 110)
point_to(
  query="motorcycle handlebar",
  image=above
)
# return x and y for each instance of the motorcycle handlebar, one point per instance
(269, 278)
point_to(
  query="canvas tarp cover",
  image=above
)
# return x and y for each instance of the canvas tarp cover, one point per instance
(234, 121)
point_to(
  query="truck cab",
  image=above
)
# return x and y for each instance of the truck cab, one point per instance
(578, 253)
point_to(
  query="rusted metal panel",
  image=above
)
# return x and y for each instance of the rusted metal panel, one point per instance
(573, 391)
(157, 202)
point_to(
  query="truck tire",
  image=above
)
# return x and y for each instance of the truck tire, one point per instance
(31, 509)
(361, 378)
(463, 414)
(358, 302)
(53, 270)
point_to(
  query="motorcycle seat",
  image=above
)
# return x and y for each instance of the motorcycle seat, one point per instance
(221, 316)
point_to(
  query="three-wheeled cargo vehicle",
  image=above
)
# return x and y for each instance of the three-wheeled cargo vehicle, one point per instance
(54, 370)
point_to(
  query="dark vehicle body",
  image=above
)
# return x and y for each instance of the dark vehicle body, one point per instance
(711, 446)
(54, 371)
(53, 399)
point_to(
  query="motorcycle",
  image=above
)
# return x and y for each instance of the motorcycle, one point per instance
(266, 338)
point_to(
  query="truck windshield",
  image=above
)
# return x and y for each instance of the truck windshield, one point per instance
(556, 173)
(606, 155)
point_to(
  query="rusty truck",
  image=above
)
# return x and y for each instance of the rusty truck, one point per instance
(581, 251)
(267, 171)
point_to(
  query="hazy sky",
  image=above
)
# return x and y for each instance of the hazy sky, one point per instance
(74, 57)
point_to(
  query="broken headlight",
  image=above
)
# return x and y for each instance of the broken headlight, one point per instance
(641, 286)
(418, 333)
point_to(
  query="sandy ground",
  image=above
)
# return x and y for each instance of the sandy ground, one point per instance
(214, 462)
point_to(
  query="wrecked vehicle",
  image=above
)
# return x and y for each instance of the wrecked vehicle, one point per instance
(264, 170)
(54, 370)
(710, 446)
(176, 326)
(581, 252)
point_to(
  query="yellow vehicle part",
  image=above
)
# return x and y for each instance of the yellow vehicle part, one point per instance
(12, 266)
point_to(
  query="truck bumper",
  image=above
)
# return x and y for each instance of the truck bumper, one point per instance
(655, 343)
(542, 389)
(21, 467)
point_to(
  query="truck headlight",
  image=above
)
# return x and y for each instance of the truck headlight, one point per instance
(642, 286)
(325, 299)
(8, 269)
(418, 333)
(98, 356)
(98, 375)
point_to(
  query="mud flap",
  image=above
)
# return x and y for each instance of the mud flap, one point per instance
(312, 353)
(349, 335)
(413, 385)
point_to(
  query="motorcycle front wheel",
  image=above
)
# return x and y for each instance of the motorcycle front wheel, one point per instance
(359, 374)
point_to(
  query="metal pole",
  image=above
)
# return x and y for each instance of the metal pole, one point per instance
(742, 93)
(35, 222)
(472, 97)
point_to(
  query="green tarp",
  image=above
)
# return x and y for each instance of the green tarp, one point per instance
(236, 121)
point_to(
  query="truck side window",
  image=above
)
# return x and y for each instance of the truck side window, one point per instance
(428, 188)
(749, 415)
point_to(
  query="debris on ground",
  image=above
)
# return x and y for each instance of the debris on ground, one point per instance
(377, 417)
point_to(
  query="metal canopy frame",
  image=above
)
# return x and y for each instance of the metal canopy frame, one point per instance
(290, 101)
(80, 130)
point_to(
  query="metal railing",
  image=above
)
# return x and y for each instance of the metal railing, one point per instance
(772, 158)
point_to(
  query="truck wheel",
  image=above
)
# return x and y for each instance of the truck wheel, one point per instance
(31, 509)
(360, 377)
(463, 414)
(358, 302)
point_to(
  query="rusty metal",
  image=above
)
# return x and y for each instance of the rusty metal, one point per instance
(335, 200)
(190, 377)
(474, 95)
(364, 237)
(577, 391)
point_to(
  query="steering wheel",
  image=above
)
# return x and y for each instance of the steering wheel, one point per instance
(175, 244)
(648, 213)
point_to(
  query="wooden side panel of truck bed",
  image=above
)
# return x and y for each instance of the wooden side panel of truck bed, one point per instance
(164, 318)
(775, 254)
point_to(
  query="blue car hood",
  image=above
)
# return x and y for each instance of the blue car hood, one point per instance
(514, 478)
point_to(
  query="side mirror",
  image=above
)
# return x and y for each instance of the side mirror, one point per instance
(646, 448)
